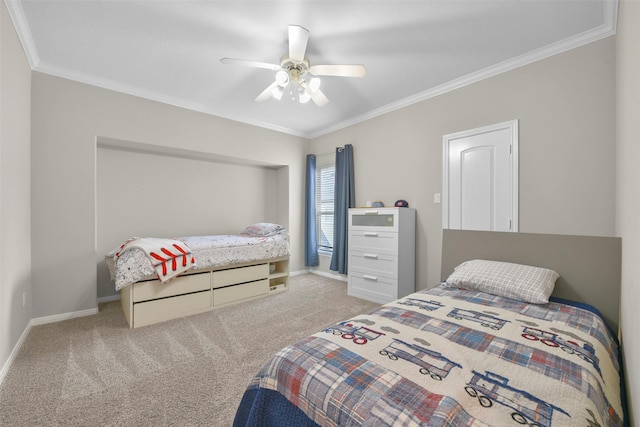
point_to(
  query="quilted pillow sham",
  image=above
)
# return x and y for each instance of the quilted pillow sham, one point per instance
(263, 229)
(516, 281)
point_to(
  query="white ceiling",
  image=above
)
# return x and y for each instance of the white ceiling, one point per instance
(170, 51)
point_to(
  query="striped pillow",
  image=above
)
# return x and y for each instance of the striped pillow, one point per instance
(505, 279)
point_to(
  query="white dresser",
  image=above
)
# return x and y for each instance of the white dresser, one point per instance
(382, 253)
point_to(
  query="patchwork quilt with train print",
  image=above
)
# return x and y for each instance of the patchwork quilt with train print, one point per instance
(445, 356)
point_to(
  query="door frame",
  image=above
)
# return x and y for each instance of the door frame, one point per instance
(512, 126)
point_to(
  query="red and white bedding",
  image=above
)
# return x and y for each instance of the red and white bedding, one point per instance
(208, 251)
(445, 357)
(169, 257)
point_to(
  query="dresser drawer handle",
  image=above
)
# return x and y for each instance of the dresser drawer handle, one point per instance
(367, 277)
(371, 234)
(372, 256)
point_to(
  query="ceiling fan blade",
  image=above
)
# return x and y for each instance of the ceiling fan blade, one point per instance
(356, 70)
(298, 38)
(246, 63)
(267, 93)
(319, 98)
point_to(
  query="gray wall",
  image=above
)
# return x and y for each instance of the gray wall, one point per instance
(68, 119)
(628, 196)
(565, 106)
(15, 202)
(567, 176)
(159, 194)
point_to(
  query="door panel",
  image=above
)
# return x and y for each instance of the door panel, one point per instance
(480, 179)
(477, 198)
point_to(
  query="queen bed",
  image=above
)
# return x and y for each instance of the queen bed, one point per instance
(161, 279)
(510, 337)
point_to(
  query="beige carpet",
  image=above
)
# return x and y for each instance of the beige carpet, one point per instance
(95, 371)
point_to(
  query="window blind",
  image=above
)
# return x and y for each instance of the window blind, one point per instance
(325, 184)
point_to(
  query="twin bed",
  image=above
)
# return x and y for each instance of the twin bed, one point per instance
(482, 349)
(163, 279)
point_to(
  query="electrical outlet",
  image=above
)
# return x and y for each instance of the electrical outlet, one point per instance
(24, 299)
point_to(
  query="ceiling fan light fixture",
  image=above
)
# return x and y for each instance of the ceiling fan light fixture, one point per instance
(282, 78)
(303, 96)
(314, 84)
(295, 75)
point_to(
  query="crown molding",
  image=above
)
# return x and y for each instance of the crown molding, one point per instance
(607, 29)
(603, 31)
(154, 96)
(24, 32)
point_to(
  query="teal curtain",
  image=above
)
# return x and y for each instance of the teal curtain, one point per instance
(345, 198)
(311, 236)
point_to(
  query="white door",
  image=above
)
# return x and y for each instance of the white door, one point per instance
(480, 179)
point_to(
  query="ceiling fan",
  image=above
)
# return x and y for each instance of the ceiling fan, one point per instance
(295, 74)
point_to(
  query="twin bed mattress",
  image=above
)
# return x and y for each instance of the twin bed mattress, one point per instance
(208, 251)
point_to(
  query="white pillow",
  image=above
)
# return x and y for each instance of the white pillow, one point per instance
(505, 279)
(263, 229)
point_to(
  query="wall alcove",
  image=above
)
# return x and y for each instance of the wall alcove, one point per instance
(149, 190)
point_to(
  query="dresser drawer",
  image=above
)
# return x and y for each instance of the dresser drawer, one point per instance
(371, 287)
(374, 264)
(380, 219)
(373, 241)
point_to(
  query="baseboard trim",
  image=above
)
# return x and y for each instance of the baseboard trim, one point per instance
(40, 321)
(340, 277)
(298, 273)
(109, 298)
(64, 316)
(14, 352)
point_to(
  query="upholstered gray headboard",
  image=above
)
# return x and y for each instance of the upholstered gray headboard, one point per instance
(589, 267)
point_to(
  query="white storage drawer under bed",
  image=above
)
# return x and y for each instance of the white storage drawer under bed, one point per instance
(153, 289)
(149, 312)
(234, 276)
(240, 292)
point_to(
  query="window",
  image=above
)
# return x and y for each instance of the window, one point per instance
(324, 205)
